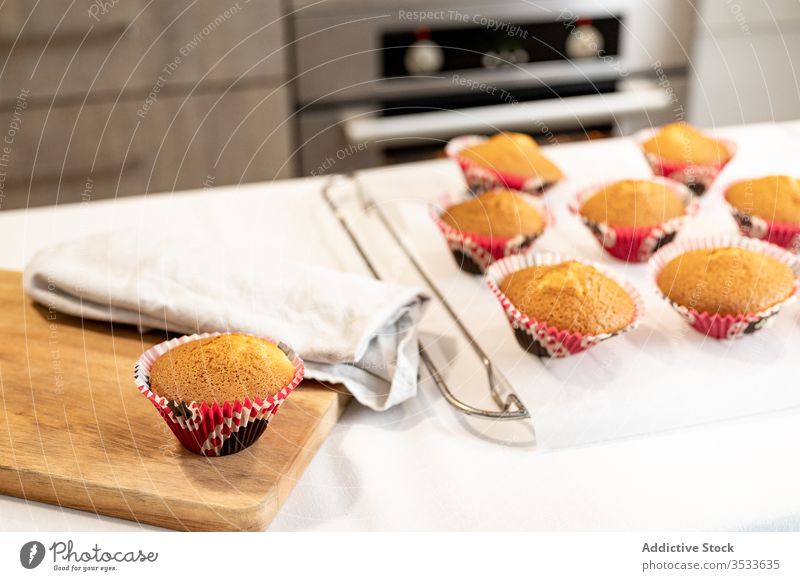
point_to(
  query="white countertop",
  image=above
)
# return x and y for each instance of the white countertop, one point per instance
(423, 466)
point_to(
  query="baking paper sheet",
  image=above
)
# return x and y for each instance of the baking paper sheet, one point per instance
(661, 376)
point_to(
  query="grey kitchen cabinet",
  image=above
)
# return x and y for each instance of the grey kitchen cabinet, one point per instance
(744, 61)
(109, 98)
(81, 153)
(135, 43)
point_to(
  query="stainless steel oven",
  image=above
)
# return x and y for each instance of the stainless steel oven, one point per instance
(380, 82)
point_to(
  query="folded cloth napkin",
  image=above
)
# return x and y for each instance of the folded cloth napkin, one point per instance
(349, 329)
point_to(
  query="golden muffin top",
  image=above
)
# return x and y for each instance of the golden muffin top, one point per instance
(221, 368)
(500, 213)
(633, 203)
(515, 154)
(773, 198)
(727, 281)
(570, 296)
(682, 143)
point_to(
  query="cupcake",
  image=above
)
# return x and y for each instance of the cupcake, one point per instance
(768, 208)
(683, 153)
(218, 392)
(558, 307)
(727, 287)
(490, 226)
(508, 160)
(633, 218)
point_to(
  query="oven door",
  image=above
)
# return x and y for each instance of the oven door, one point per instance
(342, 139)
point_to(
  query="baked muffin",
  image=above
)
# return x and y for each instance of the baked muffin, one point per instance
(726, 281)
(632, 219)
(494, 225)
(773, 198)
(684, 144)
(570, 296)
(224, 368)
(500, 213)
(633, 203)
(218, 392)
(514, 154)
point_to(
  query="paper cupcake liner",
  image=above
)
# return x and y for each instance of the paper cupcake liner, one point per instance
(725, 326)
(636, 244)
(697, 177)
(475, 252)
(482, 179)
(537, 337)
(784, 235)
(218, 428)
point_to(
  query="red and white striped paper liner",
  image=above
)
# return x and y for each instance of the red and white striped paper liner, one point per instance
(203, 427)
(550, 341)
(636, 244)
(784, 235)
(481, 179)
(697, 177)
(485, 249)
(713, 324)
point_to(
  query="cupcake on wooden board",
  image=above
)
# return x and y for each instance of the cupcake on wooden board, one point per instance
(768, 208)
(726, 287)
(218, 392)
(685, 154)
(507, 160)
(558, 306)
(490, 226)
(633, 218)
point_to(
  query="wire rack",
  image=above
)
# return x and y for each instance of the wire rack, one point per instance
(510, 407)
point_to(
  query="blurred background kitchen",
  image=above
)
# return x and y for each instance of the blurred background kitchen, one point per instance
(107, 98)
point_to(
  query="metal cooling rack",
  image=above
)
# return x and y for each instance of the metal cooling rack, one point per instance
(510, 406)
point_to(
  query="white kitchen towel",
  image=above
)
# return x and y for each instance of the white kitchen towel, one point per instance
(348, 328)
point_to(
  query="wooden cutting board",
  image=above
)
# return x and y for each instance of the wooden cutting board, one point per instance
(74, 430)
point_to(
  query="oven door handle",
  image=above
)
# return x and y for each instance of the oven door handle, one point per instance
(634, 97)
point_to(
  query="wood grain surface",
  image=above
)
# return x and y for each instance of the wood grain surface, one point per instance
(74, 430)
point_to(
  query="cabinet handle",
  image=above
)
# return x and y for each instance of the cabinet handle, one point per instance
(104, 33)
(130, 165)
(634, 97)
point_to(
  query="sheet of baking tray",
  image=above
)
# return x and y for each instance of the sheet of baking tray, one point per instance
(663, 375)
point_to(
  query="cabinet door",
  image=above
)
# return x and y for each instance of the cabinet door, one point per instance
(744, 79)
(57, 155)
(26, 23)
(219, 139)
(87, 153)
(139, 46)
